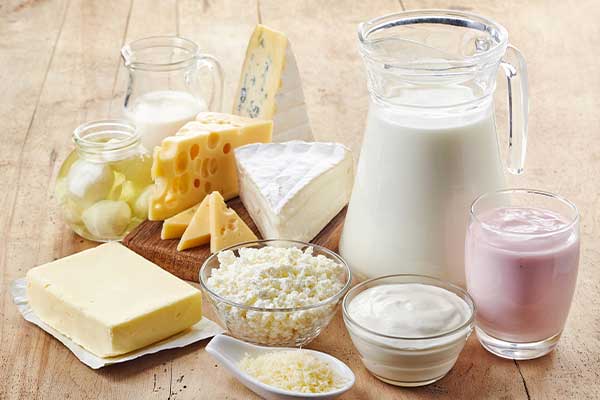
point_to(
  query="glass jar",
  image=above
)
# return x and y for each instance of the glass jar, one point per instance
(104, 185)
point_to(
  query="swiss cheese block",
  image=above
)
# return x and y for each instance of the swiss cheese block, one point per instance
(270, 86)
(199, 159)
(174, 227)
(198, 231)
(111, 300)
(226, 227)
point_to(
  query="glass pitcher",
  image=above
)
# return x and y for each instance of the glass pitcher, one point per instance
(170, 82)
(430, 145)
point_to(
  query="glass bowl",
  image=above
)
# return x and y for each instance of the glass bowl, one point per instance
(408, 361)
(288, 327)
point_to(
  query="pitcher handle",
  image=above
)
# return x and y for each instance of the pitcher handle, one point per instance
(215, 102)
(515, 70)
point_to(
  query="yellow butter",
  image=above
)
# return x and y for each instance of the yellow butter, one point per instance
(198, 231)
(226, 227)
(174, 227)
(111, 300)
(199, 159)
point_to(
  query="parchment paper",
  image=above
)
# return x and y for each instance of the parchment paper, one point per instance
(202, 330)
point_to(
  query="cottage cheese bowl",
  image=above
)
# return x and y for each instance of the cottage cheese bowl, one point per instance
(275, 292)
(408, 329)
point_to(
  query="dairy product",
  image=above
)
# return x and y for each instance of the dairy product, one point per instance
(110, 300)
(409, 310)
(276, 277)
(416, 178)
(409, 333)
(521, 266)
(226, 227)
(293, 189)
(199, 159)
(162, 113)
(89, 182)
(174, 226)
(198, 230)
(294, 370)
(107, 219)
(270, 86)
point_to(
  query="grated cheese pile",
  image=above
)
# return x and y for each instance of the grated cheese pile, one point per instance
(295, 370)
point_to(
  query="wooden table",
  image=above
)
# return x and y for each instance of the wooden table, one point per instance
(60, 66)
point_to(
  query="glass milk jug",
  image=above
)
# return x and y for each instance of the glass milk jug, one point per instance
(430, 145)
(170, 82)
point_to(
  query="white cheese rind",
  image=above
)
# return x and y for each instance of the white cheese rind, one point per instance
(293, 190)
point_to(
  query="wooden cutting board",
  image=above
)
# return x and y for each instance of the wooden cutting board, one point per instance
(145, 240)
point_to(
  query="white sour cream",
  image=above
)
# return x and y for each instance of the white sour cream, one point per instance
(409, 310)
(408, 334)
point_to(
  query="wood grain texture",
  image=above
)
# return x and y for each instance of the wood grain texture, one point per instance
(62, 61)
(145, 240)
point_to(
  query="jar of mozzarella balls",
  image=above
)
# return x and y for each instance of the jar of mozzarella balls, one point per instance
(104, 185)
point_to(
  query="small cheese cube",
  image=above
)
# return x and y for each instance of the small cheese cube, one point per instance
(111, 300)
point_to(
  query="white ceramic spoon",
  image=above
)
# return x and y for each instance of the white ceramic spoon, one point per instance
(230, 351)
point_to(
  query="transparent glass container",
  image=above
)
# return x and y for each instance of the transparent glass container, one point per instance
(103, 186)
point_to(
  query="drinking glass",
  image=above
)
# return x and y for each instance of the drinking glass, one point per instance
(521, 263)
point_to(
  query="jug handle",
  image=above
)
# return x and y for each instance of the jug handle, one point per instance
(515, 69)
(215, 103)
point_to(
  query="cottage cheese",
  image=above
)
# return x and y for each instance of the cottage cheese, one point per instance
(276, 277)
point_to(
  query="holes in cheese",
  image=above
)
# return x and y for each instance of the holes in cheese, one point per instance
(196, 157)
(226, 227)
(211, 221)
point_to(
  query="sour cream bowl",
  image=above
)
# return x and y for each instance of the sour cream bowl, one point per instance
(429, 345)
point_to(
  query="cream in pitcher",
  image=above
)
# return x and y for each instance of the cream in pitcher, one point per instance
(430, 145)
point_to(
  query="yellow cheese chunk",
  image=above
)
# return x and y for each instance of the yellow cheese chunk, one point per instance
(199, 159)
(226, 227)
(174, 227)
(198, 231)
(111, 300)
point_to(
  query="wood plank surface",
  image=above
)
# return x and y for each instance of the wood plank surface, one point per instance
(145, 240)
(61, 66)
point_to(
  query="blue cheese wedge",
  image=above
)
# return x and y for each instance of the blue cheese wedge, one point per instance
(293, 189)
(270, 86)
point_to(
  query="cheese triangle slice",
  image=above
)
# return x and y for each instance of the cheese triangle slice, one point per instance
(270, 86)
(293, 190)
(198, 231)
(226, 227)
(174, 227)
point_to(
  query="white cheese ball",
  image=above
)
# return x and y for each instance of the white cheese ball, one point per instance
(107, 219)
(89, 182)
(140, 208)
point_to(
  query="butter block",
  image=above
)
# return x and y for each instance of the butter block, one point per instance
(199, 159)
(112, 301)
(198, 231)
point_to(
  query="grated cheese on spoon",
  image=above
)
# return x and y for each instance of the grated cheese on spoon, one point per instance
(293, 370)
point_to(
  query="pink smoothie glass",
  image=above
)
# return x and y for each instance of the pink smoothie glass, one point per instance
(521, 262)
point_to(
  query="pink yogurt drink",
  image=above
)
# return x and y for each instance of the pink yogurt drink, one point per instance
(521, 268)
